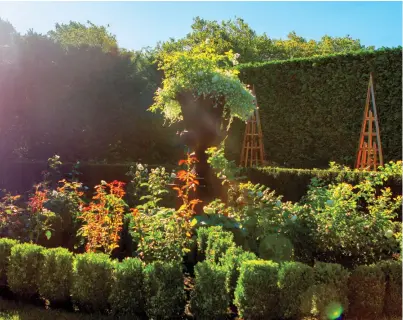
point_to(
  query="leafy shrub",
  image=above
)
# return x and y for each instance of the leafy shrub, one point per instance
(296, 281)
(56, 274)
(103, 217)
(164, 233)
(353, 224)
(164, 290)
(92, 280)
(218, 242)
(203, 235)
(367, 291)
(210, 297)
(232, 261)
(256, 294)
(393, 295)
(331, 289)
(24, 268)
(127, 289)
(5, 251)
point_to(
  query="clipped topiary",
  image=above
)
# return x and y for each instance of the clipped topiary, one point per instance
(367, 292)
(5, 251)
(92, 281)
(393, 295)
(218, 242)
(256, 294)
(210, 298)
(127, 289)
(23, 269)
(296, 281)
(56, 274)
(164, 290)
(232, 261)
(331, 290)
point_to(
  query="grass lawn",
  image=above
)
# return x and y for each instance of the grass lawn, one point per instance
(12, 310)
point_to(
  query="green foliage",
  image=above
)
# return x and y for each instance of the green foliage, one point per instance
(331, 288)
(92, 280)
(77, 34)
(296, 281)
(311, 109)
(293, 183)
(5, 251)
(158, 236)
(204, 73)
(232, 261)
(24, 269)
(164, 290)
(238, 35)
(367, 291)
(209, 298)
(354, 223)
(127, 289)
(56, 273)
(218, 242)
(393, 294)
(256, 294)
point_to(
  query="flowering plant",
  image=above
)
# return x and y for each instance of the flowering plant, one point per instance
(205, 73)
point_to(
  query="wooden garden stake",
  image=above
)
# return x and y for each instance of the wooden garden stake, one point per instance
(369, 151)
(252, 152)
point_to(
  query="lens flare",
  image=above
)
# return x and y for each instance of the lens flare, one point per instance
(334, 311)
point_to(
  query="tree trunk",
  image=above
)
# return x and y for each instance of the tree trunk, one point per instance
(203, 120)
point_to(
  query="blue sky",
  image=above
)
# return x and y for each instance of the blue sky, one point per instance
(140, 24)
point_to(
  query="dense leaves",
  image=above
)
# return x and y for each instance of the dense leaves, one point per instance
(311, 109)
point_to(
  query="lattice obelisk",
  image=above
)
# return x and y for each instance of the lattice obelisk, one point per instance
(369, 155)
(252, 152)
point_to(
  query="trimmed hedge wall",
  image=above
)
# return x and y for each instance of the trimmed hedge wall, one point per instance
(311, 109)
(265, 289)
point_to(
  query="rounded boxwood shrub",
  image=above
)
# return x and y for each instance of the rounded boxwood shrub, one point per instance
(232, 261)
(296, 281)
(210, 297)
(164, 290)
(127, 289)
(5, 251)
(92, 280)
(218, 242)
(256, 294)
(56, 274)
(367, 292)
(24, 267)
(393, 294)
(331, 289)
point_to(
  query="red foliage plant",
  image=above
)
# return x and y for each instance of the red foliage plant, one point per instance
(103, 217)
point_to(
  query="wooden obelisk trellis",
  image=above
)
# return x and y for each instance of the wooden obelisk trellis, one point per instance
(252, 149)
(369, 155)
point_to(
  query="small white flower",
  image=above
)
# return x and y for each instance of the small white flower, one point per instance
(103, 182)
(389, 233)
(140, 167)
(173, 175)
(54, 193)
(237, 55)
(207, 41)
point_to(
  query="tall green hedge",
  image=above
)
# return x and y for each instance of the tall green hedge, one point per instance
(311, 109)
